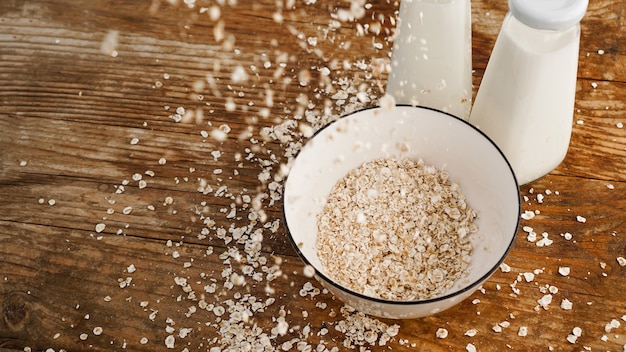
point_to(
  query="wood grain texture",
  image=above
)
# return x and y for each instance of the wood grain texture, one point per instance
(79, 127)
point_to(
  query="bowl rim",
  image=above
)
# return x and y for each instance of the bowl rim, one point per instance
(471, 286)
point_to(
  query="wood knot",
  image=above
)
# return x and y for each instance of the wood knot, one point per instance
(16, 311)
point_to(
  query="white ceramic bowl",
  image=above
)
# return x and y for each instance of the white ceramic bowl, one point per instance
(442, 140)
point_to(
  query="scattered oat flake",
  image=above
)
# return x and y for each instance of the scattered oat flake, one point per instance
(528, 215)
(523, 331)
(309, 271)
(184, 332)
(441, 333)
(528, 276)
(100, 227)
(621, 261)
(109, 44)
(566, 304)
(540, 198)
(545, 301)
(581, 219)
(614, 324)
(97, 331)
(471, 332)
(281, 327)
(470, 347)
(387, 102)
(239, 75)
(169, 341)
(577, 331)
(306, 130)
(564, 270)
(52, 202)
(505, 268)
(218, 135)
(544, 241)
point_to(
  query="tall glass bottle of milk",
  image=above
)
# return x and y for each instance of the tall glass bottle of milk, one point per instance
(431, 61)
(525, 101)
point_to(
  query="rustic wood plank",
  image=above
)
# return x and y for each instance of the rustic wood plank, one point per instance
(58, 264)
(69, 113)
(598, 144)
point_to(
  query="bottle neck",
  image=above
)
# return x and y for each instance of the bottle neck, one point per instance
(539, 41)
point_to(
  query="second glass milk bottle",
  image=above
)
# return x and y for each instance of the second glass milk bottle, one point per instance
(525, 102)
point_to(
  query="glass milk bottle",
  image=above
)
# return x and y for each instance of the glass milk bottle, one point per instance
(525, 101)
(431, 61)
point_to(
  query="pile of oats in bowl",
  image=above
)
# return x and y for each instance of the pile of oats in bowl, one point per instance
(396, 230)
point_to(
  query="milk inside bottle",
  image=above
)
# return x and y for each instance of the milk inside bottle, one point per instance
(431, 61)
(525, 102)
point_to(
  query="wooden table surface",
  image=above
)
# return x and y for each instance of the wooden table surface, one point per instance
(141, 150)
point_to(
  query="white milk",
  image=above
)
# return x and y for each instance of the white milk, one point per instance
(525, 102)
(431, 62)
